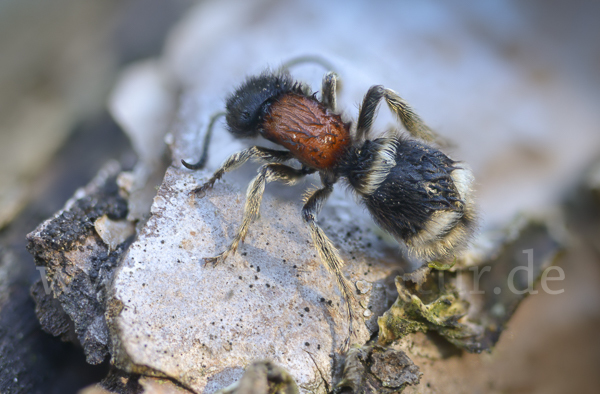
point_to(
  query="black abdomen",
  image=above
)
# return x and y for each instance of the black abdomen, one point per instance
(409, 188)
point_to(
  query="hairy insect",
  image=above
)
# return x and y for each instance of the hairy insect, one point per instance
(411, 189)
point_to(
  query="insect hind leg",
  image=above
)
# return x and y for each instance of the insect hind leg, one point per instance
(327, 252)
(407, 116)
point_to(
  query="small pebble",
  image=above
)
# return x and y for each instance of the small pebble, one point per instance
(363, 286)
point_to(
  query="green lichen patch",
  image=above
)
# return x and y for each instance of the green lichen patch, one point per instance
(410, 313)
(397, 322)
(442, 265)
(470, 307)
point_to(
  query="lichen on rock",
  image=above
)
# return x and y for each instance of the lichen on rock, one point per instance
(467, 307)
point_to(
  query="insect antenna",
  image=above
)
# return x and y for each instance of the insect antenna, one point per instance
(307, 59)
(200, 164)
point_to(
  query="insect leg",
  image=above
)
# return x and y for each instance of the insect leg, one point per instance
(328, 90)
(327, 252)
(267, 173)
(410, 120)
(238, 159)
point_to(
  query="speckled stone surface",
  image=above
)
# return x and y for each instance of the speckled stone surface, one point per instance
(202, 324)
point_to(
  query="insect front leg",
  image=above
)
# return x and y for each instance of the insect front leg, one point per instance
(238, 159)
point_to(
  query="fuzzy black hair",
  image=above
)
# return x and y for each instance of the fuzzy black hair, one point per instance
(246, 106)
(418, 185)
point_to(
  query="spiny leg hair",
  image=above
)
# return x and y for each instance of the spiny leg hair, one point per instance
(238, 159)
(410, 120)
(327, 252)
(328, 90)
(267, 173)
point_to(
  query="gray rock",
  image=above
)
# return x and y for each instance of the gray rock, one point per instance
(168, 315)
(78, 265)
(372, 369)
(165, 301)
(274, 299)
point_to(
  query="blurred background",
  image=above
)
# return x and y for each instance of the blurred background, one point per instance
(59, 60)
